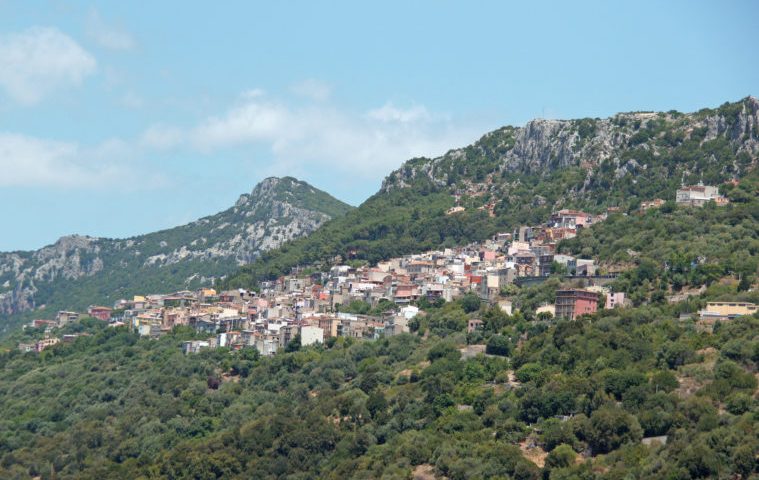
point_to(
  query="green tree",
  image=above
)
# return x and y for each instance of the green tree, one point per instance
(498, 345)
(612, 427)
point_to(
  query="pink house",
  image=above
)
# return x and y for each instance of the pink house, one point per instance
(616, 299)
(488, 255)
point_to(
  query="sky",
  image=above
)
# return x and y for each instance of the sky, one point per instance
(122, 118)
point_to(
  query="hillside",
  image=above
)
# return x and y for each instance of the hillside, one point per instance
(572, 399)
(518, 175)
(78, 271)
(641, 391)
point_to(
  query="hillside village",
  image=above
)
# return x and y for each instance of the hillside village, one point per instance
(313, 307)
(391, 241)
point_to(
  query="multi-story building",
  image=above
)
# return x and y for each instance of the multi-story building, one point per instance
(572, 303)
(698, 195)
(615, 299)
(310, 335)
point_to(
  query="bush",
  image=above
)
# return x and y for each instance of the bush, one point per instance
(470, 303)
(498, 345)
(561, 457)
(612, 427)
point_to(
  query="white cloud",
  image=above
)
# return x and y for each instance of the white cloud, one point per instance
(108, 36)
(313, 89)
(40, 60)
(254, 120)
(391, 113)
(320, 137)
(162, 137)
(27, 161)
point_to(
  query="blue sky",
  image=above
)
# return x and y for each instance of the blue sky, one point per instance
(121, 118)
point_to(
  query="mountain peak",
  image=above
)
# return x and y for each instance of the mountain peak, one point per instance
(277, 210)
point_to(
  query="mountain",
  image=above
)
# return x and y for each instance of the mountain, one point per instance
(79, 270)
(518, 175)
(642, 391)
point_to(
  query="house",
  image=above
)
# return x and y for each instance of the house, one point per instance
(139, 303)
(63, 318)
(586, 268)
(194, 346)
(310, 335)
(328, 326)
(525, 234)
(567, 260)
(267, 344)
(295, 284)
(572, 303)
(205, 294)
(287, 334)
(405, 293)
(655, 203)
(396, 325)
(46, 342)
(101, 313)
(571, 219)
(488, 255)
(727, 310)
(698, 195)
(409, 312)
(46, 324)
(545, 263)
(473, 325)
(614, 300)
(502, 238)
(71, 337)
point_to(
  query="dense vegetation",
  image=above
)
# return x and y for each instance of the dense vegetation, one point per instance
(547, 400)
(674, 248)
(113, 405)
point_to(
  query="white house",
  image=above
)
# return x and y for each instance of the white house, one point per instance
(310, 335)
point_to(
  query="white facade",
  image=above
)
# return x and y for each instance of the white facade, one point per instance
(696, 195)
(310, 335)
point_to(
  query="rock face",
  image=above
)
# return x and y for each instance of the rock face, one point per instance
(80, 269)
(546, 145)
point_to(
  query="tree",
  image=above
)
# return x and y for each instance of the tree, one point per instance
(498, 345)
(559, 269)
(293, 345)
(443, 350)
(560, 457)
(611, 427)
(376, 404)
(470, 302)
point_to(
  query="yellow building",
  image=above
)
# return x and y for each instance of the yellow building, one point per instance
(727, 310)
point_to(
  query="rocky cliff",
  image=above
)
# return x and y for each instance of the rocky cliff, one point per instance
(623, 142)
(78, 269)
(518, 175)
